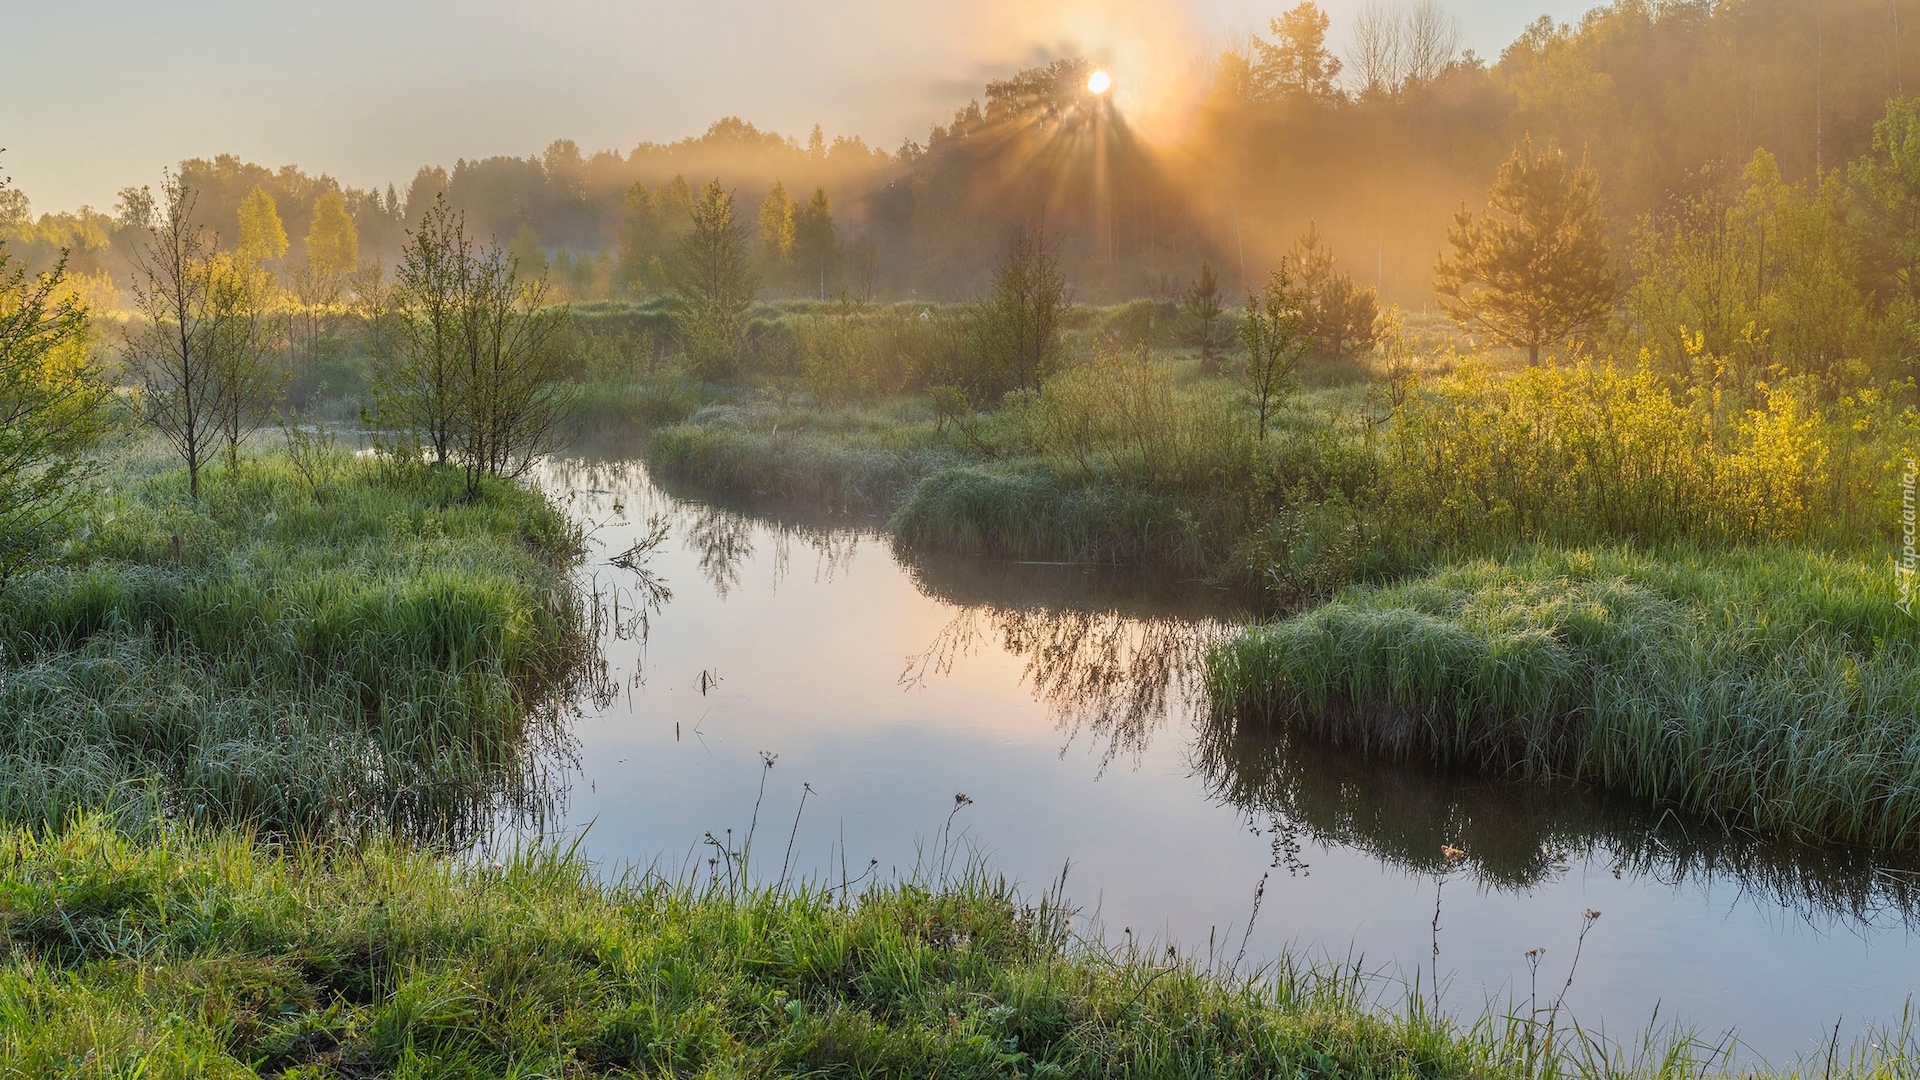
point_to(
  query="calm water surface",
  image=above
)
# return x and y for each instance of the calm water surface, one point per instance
(1063, 704)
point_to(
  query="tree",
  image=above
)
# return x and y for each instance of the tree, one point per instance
(777, 217)
(1339, 314)
(1400, 46)
(1201, 305)
(243, 336)
(1532, 270)
(651, 223)
(333, 243)
(416, 387)
(816, 248)
(332, 257)
(170, 346)
(52, 407)
(1275, 335)
(1297, 65)
(713, 284)
(1888, 185)
(508, 402)
(1020, 325)
(472, 368)
(262, 238)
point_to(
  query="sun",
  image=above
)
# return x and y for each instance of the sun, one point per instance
(1099, 82)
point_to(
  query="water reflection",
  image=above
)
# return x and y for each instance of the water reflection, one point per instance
(1117, 658)
(1520, 836)
(1011, 664)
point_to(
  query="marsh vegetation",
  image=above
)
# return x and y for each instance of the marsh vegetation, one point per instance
(1587, 539)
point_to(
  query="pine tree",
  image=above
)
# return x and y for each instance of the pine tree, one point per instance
(1339, 314)
(1531, 271)
(714, 284)
(1297, 66)
(816, 247)
(1202, 306)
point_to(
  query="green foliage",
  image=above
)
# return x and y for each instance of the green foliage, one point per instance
(1018, 327)
(318, 643)
(1772, 689)
(714, 286)
(1590, 452)
(1338, 315)
(262, 238)
(1757, 287)
(53, 406)
(1532, 271)
(1202, 306)
(816, 246)
(473, 371)
(1274, 333)
(652, 223)
(776, 233)
(333, 243)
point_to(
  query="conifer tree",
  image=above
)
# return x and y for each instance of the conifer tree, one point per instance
(713, 283)
(1201, 305)
(1296, 66)
(816, 247)
(1531, 271)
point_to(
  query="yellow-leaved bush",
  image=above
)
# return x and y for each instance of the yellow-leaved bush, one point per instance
(1588, 450)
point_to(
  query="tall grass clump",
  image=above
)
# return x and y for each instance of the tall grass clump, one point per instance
(309, 646)
(201, 954)
(1112, 462)
(861, 461)
(1772, 689)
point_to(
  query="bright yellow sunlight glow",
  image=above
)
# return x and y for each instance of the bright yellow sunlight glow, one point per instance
(1099, 83)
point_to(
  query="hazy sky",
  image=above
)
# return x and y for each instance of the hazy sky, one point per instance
(103, 93)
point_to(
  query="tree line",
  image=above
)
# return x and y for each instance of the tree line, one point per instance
(1376, 147)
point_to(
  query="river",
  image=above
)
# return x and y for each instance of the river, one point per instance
(1047, 720)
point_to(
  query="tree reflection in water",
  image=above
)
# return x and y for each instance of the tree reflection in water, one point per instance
(1518, 836)
(1114, 656)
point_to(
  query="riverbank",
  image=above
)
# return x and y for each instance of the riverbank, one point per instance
(317, 644)
(1770, 689)
(207, 954)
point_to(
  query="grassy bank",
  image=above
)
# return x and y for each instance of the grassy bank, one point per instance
(207, 955)
(1111, 465)
(304, 649)
(1770, 688)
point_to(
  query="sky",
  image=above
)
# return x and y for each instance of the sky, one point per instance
(100, 94)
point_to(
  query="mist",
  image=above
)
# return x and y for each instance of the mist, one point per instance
(112, 91)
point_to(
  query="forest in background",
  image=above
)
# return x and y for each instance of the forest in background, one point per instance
(1377, 147)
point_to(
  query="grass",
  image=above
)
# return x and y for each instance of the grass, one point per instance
(1771, 689)
(188, 953)
(1256, 516)
(861, 462)
(358, 647)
